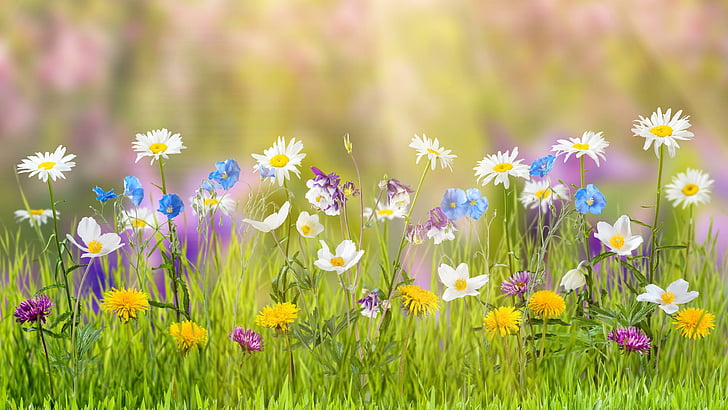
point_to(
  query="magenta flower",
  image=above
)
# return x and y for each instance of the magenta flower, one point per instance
(249, 340)
(34, 309)
(630, 339)
(518, 284)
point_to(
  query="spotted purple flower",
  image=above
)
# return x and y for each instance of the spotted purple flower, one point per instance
(630, 339)
(416, 234)
(370, 304)
(324, 192)
(542, 166)
(439, 226)
(249, 340)
(518, 284)
(34, 309)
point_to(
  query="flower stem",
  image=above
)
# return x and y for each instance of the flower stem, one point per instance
(691, 238)
(48, 360)
(408, 332)
(291, 369)
(172, 241)
(543, 340)
(654, 258)
(581, 172)
(58, 247)
(506, 230)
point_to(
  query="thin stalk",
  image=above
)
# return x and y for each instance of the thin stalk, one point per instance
(543, 340)
(691, 238)
(74, 351)
(58, 246)
(48, 360)
(407, 335)
(654, 256)
(172, 250)
(291, 369)
(506, 230)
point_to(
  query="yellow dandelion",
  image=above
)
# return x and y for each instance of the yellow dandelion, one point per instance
(502, 321)
(694, 323)
(546, 304)
(125, 303)
(188, 335)
(277, 316)
(417, 301)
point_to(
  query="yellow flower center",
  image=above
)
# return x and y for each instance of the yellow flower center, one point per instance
(453, 205)
(170, 210)
(157, 147)
(590, 201)
(432, 151)
(690, 189)
(94, 246)
(385, 212)
(279, 161)
(224, 175)
(138, 223)
(617, 241)
(503, 167)
(211, 202)
(337, 261)
(48, 165)
(461, 284)
(306, 229)
(662, 131)
(667, 297)
(581, 146)
(37, 211)
(543, 194)
(520, 284)
(473, 202)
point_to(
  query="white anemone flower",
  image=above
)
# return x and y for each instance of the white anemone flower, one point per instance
(691, 187)
(590, 143)
(500, 167)
(139, 219)
(458, 282)
(618, 238)
(48, 164)
(34, 216)
(97, 244)
(541, 194)
(156, 144)
(663, 128)
(344, 258)
(308, 225)
(675, 294)
(272, 221)
(431, 149)
(281, 159)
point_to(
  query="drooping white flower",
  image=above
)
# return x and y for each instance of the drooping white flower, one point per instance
(431, 149)
(618, 238)
(458, 281)
(500, 167)
(344, 258)
(281, 159)
(590, 143)
(97, 244)
(691, 187)
(48, 164)
(574, 278)
(308, 225)
(157, 143)
(272, 221)
(676, 294)
(663, 128)
(34, 216)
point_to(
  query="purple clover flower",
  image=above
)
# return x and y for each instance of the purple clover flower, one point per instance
(518, 284)
(34, 309)
(249, 340)
(630, 339)
(370, 304)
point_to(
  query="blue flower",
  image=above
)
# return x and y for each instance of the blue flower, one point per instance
(226, 173)
(476, 204)
(133, 189)
(171, 205)
(543, 165)
(207, 186)
(265, 172)
(590, 200)
(104, 196)
(454, 203)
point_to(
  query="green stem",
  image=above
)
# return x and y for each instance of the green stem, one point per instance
(291, 369)
(691, 238)
(172, 242)
(654, 256)
(408, 332)
(58, 247)
(543, 340)
(48, 360)
(506, 230)
(581, 172)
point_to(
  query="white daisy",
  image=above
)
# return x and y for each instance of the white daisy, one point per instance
(205, 204)
(663, 129)
(47, 164)
(281, 159)
(590, 143)
(458, 282)
(386, 211)
(157, 143)
(138, 219)
(541, 193)
(676, 294)
(344, 258)
(433, 151)
(272, 221)
(308, 225)
(34, 216)
(618, 238)
(500, 166)
(96, 244)
(691, 187)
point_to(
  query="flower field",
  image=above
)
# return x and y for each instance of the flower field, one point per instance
(507, 290)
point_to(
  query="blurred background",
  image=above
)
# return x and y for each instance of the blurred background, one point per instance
(230, 76)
